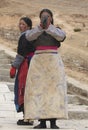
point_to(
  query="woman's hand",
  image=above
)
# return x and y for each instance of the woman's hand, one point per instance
(12, 72)
(45, 22)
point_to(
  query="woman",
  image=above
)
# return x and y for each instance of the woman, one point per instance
(25, 52)
(45, 93)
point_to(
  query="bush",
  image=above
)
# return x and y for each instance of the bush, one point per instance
(77, 29)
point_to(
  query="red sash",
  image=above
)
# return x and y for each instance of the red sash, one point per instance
(22, 81)
(23, 70)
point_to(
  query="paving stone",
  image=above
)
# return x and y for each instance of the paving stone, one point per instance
(7, 107)
(7, 114)
(2, 98)
(9, 97)
(4, 88)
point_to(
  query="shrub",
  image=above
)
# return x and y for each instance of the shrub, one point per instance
(77, 29)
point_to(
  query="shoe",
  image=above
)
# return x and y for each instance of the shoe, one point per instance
(54, 127)
(53, 123)
(40, 126)
(22, 122)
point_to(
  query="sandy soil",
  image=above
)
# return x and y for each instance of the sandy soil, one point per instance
(69, 15)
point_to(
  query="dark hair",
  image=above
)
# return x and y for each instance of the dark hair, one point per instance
(27, 21)
(48, 11)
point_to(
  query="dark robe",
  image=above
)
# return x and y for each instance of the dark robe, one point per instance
(25, 49)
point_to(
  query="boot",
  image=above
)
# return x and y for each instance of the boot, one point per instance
(41, 125)
(22, 122)
(53, 124)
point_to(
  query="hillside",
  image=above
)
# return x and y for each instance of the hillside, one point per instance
(70, 15)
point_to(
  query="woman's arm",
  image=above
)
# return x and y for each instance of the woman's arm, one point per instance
(57, 33)
(34, 33)
(17, 61)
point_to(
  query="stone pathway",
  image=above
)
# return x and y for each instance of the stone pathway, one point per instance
(9, 116)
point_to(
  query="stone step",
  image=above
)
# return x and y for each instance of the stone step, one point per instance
(3, 66)
(78, 100)
(4, 78)
(77, 111)
(4, 72)
(5, 61)
(77, 88)
(2, 52)
(4, 55)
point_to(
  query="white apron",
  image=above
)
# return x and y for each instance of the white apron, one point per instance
(46, 90)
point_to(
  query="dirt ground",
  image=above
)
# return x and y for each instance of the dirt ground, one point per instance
(70, 15)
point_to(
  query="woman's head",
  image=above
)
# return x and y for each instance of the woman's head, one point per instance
(47, 12)
(25, 23)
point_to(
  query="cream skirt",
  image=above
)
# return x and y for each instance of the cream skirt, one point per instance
(46, 89)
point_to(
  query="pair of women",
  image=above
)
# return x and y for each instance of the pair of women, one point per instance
(45, 91)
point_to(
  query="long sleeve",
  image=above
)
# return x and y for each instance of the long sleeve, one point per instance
(34, 33)
(57, 33)
(17, 61)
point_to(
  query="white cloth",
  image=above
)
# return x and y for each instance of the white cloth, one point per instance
(46, 89)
